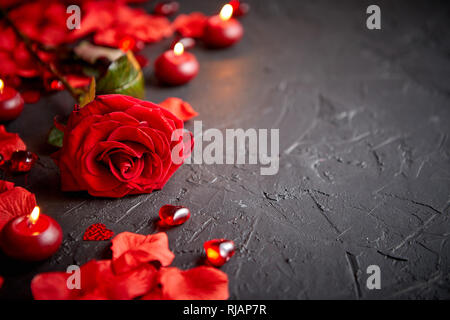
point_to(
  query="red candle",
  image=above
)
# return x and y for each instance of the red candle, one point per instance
(175, 66)
(222, 30)
(11, 103)
(32, 238)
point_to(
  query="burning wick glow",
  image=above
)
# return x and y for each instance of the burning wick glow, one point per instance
(34, 215)
(2, 85)
(226, 12)
(178, 49)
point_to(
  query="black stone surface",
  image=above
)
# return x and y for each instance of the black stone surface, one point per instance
(364, 157)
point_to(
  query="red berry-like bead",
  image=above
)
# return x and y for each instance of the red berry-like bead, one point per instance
(166, 8)
(22, 161)
(173, 215)
(219, 251)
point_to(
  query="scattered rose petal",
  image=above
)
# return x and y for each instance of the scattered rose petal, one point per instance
(14, 202)
(179, 108)
(9, 142)
(131, 250)
(190, 25)
(97, 232)
(31, 96)
(142, 60)
(78, 81)
(98, 282)
(120, 22)
(201, 283)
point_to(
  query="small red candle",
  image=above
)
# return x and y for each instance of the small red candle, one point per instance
(222, 30)
(11, 103)
(32, 238)
(176, 66)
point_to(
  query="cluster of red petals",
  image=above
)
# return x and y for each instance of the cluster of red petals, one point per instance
(181, 109)
(14, 57)
(110, 22)
(190, 25)
(14, 202)
(9, 143)
(137, 270)
(44, 22)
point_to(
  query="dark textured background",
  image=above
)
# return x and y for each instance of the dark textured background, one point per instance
(365, 157)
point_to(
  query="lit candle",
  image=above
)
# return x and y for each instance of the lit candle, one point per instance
(176, 66)
(32, 238)
(11, 103)
(222, 30)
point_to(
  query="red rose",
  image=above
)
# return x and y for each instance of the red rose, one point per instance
(118, 145)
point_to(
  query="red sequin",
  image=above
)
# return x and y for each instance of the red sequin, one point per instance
(173, 215)
(219, 251)
(22, 161)
(97, 232)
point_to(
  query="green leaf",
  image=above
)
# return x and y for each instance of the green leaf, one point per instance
(89, 95)
(55, 137)
(124, 76)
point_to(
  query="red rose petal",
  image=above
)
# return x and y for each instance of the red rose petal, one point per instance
(78, 81)
(14, 202)
(1, 281)
(142, 60)
(127, 285)
(5, 186)
(181, 109)
(97, 232)
(52, 286)
(131, 250)
(31, 96)
(201, 283)
(190, 25)
(9, 143)
(98, 282)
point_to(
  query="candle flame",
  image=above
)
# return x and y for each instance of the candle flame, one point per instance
(226, 12)
(34, 215)
(178, 49)
(2, 85)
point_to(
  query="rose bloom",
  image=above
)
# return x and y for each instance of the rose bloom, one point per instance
(118, 145)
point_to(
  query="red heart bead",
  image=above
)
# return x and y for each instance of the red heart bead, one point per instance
(219, 251)
(97, 232)
(173, 215)
(22, 161)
